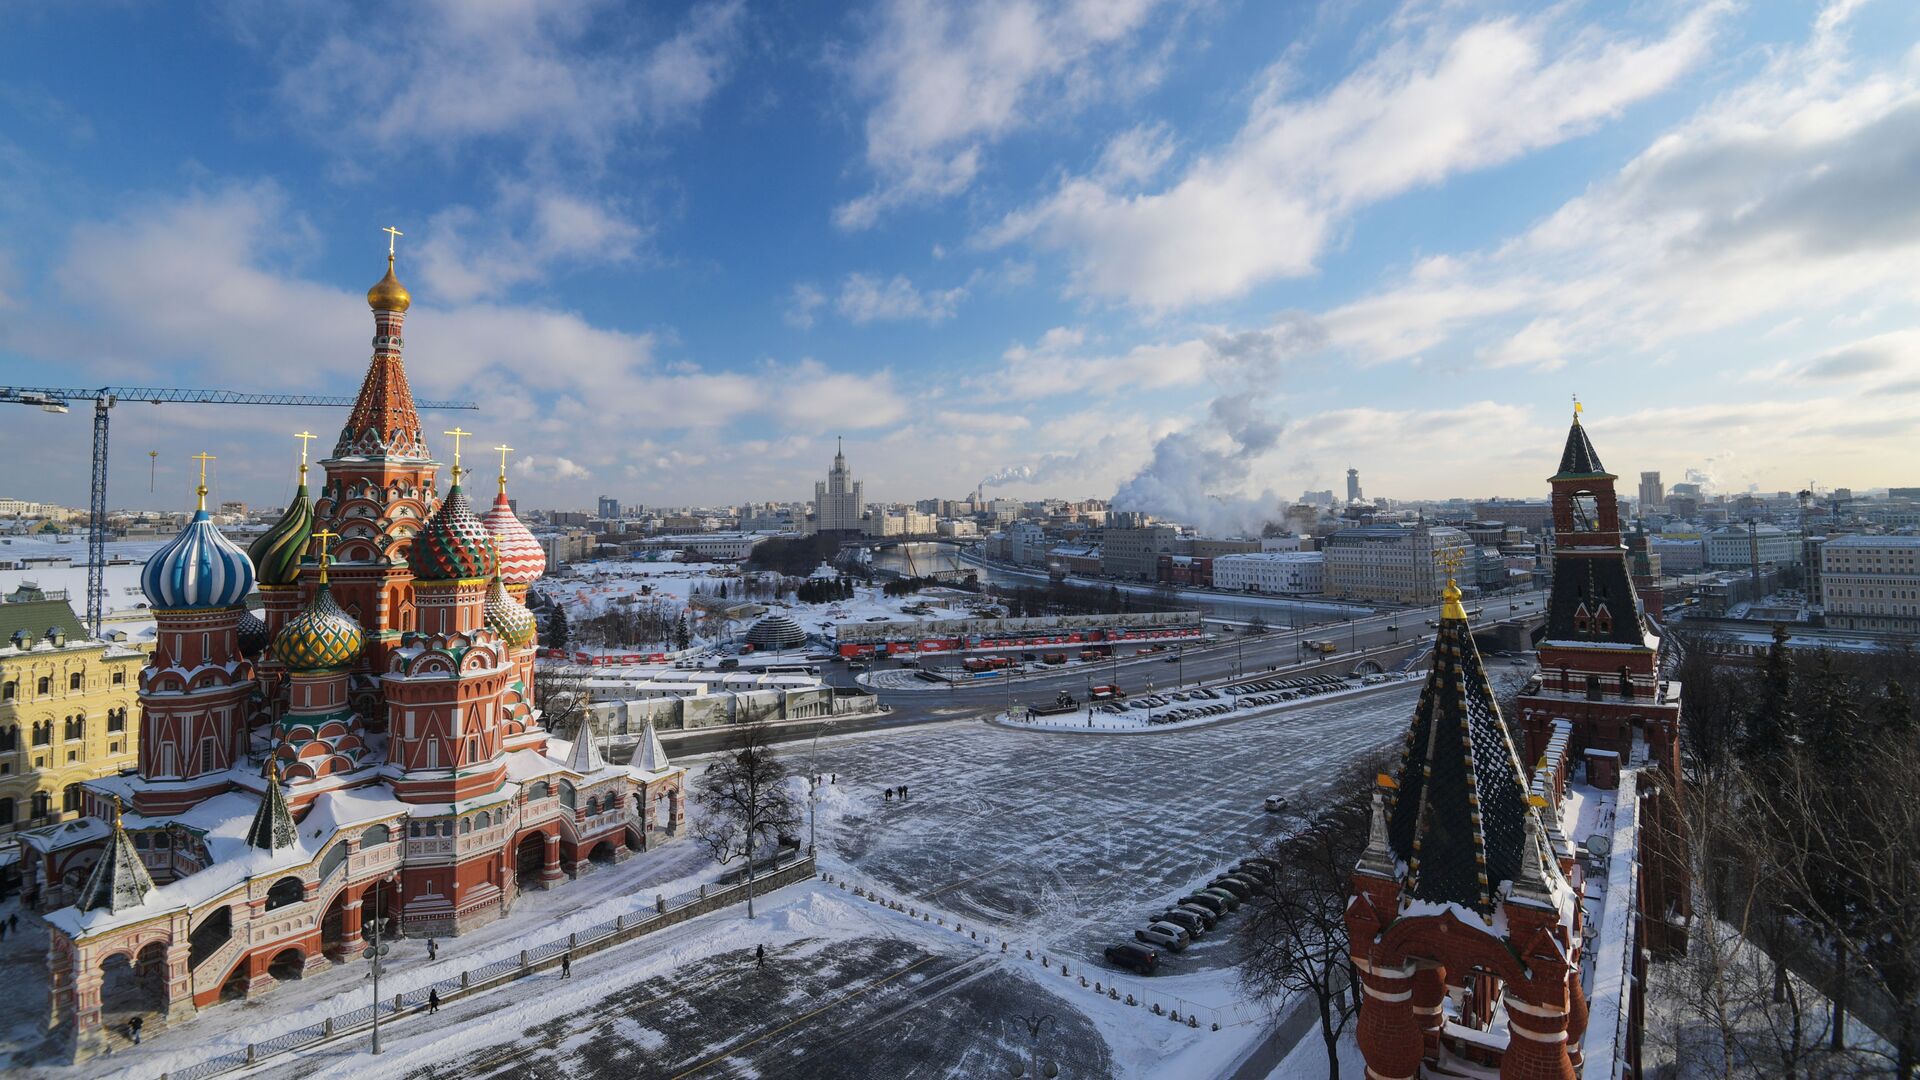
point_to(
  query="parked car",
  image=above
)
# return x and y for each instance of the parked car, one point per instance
(1239, 888)
(1231, 901)
(1213, 903)
(1207, 916)
(1185, 920)
(1134, 957)
(1275, 803)
(1249, 869)
(1261, 860)
(1164, 934)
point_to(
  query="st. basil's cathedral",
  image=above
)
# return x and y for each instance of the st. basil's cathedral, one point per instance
(366, 743)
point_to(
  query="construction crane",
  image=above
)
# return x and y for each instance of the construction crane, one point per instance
(55, 399)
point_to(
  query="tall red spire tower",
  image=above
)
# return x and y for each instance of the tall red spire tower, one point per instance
(1600, 672)
(379, 492)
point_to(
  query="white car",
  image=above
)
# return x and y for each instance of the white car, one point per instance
(1164, 934)
(1276, 803)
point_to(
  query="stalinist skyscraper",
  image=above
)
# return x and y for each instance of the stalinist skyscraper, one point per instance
(838, 500)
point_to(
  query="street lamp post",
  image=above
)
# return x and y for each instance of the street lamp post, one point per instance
(1046, 1069)
(374, 951)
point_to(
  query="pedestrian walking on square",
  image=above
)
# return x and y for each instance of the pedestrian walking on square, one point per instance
(433, 950)
(889, 795)
(566, 965)
(133, 1028)
(13, 921)
(433, 1001)
(760, 957)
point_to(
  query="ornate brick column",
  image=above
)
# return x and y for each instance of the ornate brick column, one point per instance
(1390, 1037)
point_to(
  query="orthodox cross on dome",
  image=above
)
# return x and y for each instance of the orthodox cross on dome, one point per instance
(504, 451)
(392, 235)
(305, 437)
(203, 457)
(326, 538)
(456, 434)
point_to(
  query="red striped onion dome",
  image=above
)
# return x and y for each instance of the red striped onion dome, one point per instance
(522, 560)
(454, 546)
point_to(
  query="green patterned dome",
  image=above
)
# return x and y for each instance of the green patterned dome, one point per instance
(276, 554)
(454, 545)
(320, 638)
(508, 618)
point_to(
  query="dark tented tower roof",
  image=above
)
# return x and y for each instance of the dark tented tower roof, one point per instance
(1579, 458)
(272, 827)
(119, 880)
(1457, 822)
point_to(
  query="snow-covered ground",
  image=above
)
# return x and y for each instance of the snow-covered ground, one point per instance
(595, 588)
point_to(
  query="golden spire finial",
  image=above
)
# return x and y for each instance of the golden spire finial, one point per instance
(1450, 606)
(202, 457)
(1577, 407)
(326, 538)
(457, 435)
(305, 437)
(504, 451)
(392, 235)
(115, 797)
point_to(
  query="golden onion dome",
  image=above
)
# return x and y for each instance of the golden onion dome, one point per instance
(388, 294)
(321, 638)
(508, 618)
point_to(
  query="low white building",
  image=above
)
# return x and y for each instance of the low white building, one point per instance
(718, 547)
(1286, 543)
(1271, 572)
(1732, 547)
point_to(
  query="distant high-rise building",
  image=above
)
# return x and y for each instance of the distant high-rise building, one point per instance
(1653, 494)
(838, 500)
(1353, 485)
(609, 508)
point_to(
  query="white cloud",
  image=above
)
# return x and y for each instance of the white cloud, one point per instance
(445, 73)
(528, 233)
(1787, 199)
(810, 397)
(556, 468)
(1419, 110)
(801, 304)
(946, 81)
(865, 299)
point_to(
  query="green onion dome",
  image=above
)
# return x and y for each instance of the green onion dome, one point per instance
(322, 637)
(277, 552)
(454, 545)
(508, 617)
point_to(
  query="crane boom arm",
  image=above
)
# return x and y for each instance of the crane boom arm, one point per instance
(159, 394)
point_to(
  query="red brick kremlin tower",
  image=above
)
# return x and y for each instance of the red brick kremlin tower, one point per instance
(1462, 925)
(1600, 670)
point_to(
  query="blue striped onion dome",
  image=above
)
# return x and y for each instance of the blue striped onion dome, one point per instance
(320, 638)
(508, 618)
(199, 569)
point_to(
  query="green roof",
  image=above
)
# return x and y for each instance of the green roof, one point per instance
(36, 617)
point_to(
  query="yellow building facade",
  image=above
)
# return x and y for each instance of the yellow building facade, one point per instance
(68, 710)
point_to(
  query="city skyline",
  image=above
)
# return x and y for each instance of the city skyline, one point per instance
(1164, 250)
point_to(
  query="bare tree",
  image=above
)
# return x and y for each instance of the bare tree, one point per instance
(744, 801)
(560, 693)
(1294, 939)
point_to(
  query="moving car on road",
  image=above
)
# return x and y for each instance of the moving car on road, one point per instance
(1275, 803)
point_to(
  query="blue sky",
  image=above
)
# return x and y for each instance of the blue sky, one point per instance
(1201, 253)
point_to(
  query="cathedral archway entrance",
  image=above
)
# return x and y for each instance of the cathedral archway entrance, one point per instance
(529, 857)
